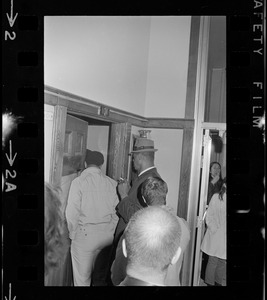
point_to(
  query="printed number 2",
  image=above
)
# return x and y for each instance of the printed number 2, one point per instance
(7, 34)
(9, 173)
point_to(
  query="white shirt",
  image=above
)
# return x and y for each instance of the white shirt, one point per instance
(146, 170)
(214, 242)
(92, 200)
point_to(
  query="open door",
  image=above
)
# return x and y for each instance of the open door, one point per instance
(68, 153)
(209, 154)
(119, 150)
(74, 151)
(200, 230)
(74, 145)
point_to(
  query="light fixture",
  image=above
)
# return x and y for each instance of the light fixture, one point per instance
(144, 133)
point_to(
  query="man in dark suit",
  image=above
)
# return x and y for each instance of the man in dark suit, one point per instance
(143, 162)
(143, 156)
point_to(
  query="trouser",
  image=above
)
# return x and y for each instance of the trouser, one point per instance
(100, 275)
(205, 259)
(85, 247)
(215, 271)
(112, 254)
(118, 268)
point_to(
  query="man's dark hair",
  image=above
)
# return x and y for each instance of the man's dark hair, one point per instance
(154, 191)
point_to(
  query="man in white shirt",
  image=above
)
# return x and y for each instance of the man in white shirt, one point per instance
(91, 216)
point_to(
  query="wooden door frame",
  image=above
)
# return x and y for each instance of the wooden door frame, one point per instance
(58, 136)
(198, 94)
(65, 102)
(119, 147)
(188, 139)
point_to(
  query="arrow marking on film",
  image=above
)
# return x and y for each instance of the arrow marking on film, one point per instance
(10, 158)
(11, 20)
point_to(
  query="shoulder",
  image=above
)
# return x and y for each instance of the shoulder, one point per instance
(214, 199)
(109, 180)
(150, 172)
(214, 203)
(75, 182)
(154, 171)
(185, 229)
(184, 224)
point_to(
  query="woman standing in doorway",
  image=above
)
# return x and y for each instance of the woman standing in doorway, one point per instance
(215, 180)
(215, 184)
(214, 242)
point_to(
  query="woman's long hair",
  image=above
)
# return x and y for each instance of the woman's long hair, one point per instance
(223, 189)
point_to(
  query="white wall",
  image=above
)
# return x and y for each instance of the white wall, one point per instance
(137, 64)
(168, 160)
(97, 140)
(167, 67)
(48, 125)
(100, 58)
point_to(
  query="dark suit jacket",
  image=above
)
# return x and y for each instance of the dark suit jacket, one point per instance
(130, 204)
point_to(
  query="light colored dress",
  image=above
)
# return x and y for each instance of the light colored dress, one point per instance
(214, 241)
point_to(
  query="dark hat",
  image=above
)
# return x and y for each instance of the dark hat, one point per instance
(143, 145)
(94, 158)
(218, 143)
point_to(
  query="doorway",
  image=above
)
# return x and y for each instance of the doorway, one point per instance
(213, 150)
(98, 137)
(82, 133)
(72, 134)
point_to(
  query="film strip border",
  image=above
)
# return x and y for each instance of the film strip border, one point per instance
(22, 157)
(22, 151)
(245, 152)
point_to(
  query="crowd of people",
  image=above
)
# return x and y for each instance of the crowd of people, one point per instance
(124, 234)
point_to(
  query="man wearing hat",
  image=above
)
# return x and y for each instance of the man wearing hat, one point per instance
(143, 155)
(91, 216)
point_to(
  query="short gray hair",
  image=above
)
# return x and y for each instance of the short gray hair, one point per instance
(152, 238)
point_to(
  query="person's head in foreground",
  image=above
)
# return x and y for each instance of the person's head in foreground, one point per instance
(151, 244)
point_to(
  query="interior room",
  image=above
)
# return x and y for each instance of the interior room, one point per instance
(110, 78)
